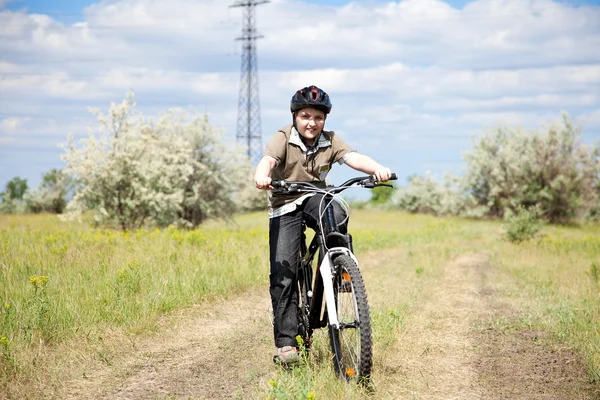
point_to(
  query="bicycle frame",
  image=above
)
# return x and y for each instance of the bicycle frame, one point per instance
(323, 282)
(338, 283)
(324, 285)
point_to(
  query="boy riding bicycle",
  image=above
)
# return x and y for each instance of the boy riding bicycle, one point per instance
(301, 151)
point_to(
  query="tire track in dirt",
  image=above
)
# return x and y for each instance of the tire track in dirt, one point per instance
(435, 351)
(451, 350)
(223, 353)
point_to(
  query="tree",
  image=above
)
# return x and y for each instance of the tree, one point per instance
(12, 197)
(174, 169)
(51, 194)
(15, 189)
(381, 194)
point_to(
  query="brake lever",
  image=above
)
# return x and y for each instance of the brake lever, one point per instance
(371, 185)
(286, 190)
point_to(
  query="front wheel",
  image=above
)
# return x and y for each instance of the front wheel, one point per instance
(351, 343)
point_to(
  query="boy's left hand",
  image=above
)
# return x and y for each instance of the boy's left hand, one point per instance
(383, 174)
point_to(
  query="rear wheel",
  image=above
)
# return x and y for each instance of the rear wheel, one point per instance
(305, 331)
(351, 343)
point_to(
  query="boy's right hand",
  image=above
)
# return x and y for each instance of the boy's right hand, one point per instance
(262, 182)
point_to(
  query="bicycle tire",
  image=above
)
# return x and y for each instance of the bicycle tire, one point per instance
(305, 330)
(351, 343)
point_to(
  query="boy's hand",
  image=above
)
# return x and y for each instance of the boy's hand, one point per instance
(262, 182)
(383, 174)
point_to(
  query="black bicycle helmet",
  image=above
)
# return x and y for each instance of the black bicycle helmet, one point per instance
(311, 96)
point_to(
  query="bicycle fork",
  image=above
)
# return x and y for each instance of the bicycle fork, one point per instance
(326, 271)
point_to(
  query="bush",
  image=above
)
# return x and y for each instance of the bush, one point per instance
(382, 194)
(511, 168)
(421, 195)
(250, 198)
(175, 169)
(522, 225)
(427, 195)
(10, 206)
(51, 194)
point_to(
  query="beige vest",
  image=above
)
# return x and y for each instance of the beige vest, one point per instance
(296, 162)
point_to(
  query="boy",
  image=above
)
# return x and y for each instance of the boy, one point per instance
(301, 151)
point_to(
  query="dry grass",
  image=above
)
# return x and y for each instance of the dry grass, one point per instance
(107, 294)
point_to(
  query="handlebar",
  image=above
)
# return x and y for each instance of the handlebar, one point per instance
(364, 181)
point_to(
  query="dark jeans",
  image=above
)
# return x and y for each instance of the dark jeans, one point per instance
(285, 234)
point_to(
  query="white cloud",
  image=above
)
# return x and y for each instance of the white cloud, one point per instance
(38, 129)
(12, 125)
(406, 73)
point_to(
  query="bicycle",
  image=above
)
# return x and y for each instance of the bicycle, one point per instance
(335, 297)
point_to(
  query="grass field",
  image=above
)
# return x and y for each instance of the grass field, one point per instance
(69, 292)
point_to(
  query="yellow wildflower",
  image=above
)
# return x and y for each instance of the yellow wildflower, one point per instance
(38, 281)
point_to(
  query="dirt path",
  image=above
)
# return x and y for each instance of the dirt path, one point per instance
(453, 348)
(463, 345)
(436, 348)
(206, 356)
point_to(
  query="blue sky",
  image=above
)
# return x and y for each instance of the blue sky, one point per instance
(411, 81)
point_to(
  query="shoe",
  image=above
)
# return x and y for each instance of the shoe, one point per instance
(286, 355)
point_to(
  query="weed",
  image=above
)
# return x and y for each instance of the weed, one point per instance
(40, 305)
(128, 279)
(5, 347)
(8, 316)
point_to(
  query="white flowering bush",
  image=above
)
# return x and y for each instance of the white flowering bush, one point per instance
(51, 194)
(424, 194)
(174, 169)
(250, 198)
(510, 169)
(421, 195)
(13, 206)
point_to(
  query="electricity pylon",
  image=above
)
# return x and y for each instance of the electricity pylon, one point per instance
(248, 123)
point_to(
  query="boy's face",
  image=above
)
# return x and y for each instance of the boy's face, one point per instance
(310, 122)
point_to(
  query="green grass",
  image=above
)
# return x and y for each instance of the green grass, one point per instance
(551, 281)
(65, 284)
(554, 277)
(62, 282)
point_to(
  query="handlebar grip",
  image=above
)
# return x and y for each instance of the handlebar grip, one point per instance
(393, 177)
(278, 184)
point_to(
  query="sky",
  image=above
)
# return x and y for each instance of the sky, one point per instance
(411, 82)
